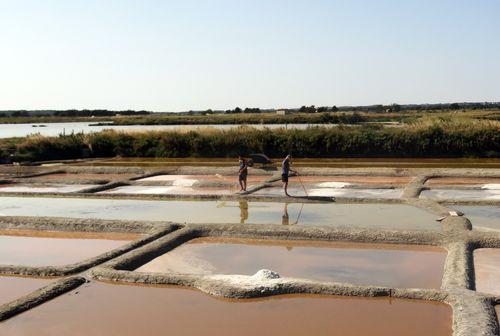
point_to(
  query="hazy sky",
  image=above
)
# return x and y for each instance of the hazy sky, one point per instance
(187, 54)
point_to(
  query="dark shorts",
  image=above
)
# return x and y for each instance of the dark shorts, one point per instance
(243, 177)
(284, 178)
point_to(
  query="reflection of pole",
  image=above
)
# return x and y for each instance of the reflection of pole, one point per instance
(285, 220)
(300, 213)
(243, 211)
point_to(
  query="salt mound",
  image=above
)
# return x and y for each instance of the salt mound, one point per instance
(265, 274)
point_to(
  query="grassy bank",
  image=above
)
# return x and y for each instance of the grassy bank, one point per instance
(246, 118)
(240, 118)
(426, 138)
(259, 118)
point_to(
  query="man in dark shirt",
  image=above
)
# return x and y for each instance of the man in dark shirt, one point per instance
(243, 173)
(285, 171)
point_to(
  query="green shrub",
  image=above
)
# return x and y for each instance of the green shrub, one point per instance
(428, 137)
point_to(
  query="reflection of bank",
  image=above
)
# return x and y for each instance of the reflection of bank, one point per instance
(243, 211)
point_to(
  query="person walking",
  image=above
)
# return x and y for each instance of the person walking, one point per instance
(285, 172)
(243, 173)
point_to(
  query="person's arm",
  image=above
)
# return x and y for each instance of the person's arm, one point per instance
(245, 165)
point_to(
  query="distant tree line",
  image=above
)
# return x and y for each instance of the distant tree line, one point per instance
(420, 107)
(314, 109)
(245, 110)
(392, 108)
(71, 113)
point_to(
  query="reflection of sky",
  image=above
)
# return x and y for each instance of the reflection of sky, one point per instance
(397, 268)
(54, 129)
(483, 194)
(332, 192)
(342, 215)
(481, 216)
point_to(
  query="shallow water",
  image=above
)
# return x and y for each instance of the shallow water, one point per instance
(171, 190)
(482, 217)
(462, 180)
(54, 129)
(47, 251)
(188, 180)
(107, 309)
(12, 288)
(487, 270)
(458, 195)
(396, 266)
(84, 176)
(44, 188)
(381, 216)
(388, 180)
(332, 192)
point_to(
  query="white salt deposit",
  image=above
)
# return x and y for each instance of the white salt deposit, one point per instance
(155, 190)
(184, 182)
(336, 185)
(491, 186)
(263, 279)
(53, 188)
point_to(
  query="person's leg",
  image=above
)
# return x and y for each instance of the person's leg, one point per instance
(286, 188)
(244, 184)
(241, 183)
(284, 179)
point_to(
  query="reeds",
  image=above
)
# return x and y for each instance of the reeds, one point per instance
(427, 137)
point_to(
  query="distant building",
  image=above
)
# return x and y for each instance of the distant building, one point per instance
(283, 112)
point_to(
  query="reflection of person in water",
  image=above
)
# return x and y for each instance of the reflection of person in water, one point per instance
(243, 211)
(285, 220)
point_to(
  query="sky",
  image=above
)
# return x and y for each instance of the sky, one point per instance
(178, 55)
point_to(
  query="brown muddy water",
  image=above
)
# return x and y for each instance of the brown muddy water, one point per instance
(108, 309)
(487, 270)
(380, 216)
(323, 162)
(56, 249)
(395, 266)
(44, 188)
(482, 217)
(12, 288)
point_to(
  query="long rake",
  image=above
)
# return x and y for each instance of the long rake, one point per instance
(303, 187)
